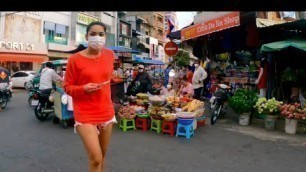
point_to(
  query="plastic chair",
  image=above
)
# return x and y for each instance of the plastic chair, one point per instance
(168, 127)
(126, 124)
(143, 123)
(156, 125)
(185, 130)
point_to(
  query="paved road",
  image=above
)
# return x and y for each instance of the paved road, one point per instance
(29, 145)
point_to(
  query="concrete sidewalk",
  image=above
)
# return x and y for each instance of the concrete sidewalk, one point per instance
(230, 121)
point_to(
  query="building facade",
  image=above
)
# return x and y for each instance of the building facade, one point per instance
(148, 33)
(30, 38)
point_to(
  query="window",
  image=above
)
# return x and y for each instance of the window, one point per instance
(55, 33)
(125, 42)
(19, 74)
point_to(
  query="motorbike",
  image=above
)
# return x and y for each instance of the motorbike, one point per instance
(32, 91)
(5, 95)
(43, 103)
(217, 101)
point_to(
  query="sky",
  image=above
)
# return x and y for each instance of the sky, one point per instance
(185, 18)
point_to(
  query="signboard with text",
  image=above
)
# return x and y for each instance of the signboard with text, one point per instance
(85, 19)
(214, 25)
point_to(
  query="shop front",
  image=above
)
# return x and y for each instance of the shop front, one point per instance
(16, 55)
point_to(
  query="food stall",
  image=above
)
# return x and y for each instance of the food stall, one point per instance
(163, 109)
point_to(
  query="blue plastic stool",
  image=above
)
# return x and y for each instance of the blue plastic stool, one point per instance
(187, 130)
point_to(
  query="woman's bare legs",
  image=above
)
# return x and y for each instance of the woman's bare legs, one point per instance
(90, 138)
(104, 138)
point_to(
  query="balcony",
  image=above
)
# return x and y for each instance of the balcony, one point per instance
(159, 25)
(56, 40)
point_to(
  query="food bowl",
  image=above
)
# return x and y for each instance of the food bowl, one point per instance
(185, 115)
(185, 121)
(157, 101)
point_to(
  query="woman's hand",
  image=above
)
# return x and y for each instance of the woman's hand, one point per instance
(91, 87)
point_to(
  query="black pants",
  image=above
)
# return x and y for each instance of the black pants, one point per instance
(45, 96)
(197, 93)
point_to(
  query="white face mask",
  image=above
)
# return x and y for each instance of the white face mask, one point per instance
(96, 42)
(140, 70)
(196, 65)
(169, 86)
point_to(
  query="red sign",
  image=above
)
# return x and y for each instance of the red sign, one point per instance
(204, 28)
(171, 48)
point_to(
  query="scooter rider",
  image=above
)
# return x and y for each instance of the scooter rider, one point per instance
(46, 77)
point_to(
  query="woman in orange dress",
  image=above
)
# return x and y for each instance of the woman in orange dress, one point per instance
(87, 81)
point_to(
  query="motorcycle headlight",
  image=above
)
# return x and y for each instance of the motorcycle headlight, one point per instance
(51, 98)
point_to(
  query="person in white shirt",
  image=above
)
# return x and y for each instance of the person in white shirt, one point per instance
(120, 72)
(199, 76)
(46, 77)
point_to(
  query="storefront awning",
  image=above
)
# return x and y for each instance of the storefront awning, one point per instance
(224, 22)
(280, 45)
(22, 57)
(143, 61)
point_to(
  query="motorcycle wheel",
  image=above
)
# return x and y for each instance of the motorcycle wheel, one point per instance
(3, 103)
(39, 114)
(215, 114)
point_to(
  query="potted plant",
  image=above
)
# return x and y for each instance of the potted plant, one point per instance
(242, 103)
(270, 109)
(292, 113)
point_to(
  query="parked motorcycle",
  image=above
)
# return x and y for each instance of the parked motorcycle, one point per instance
(43, 103)
(5, 95)
(217, 101)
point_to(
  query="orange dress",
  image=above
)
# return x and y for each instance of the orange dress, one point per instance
(92, 108)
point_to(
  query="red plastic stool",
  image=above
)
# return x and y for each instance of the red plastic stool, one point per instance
(201, 122)
(143, 123)
(169, 127)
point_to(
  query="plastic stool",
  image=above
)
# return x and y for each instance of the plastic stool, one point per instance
(156, 125)
(188, 130)
(168, 127)
(201, 121)
(143, 123)
(126, 124)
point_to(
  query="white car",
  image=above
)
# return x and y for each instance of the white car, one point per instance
(21, 78)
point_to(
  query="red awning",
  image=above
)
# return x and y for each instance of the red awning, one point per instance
(22, 57)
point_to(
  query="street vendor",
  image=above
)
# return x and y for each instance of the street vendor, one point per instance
(169, 91)
(145, 82)
(186, 89)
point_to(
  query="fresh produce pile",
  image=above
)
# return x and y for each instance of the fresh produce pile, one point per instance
(142, 96)
(293, 111)
(193, 105)
(175, 101)
(127, 112)
(267, 106)
(156, 111)
(169, 117)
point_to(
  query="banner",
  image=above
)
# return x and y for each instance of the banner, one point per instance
(204, 28)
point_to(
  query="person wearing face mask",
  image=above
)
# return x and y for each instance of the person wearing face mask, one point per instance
(169, 91)
(186, 89)
(198, 77)
(87, 81)
(144, 79)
